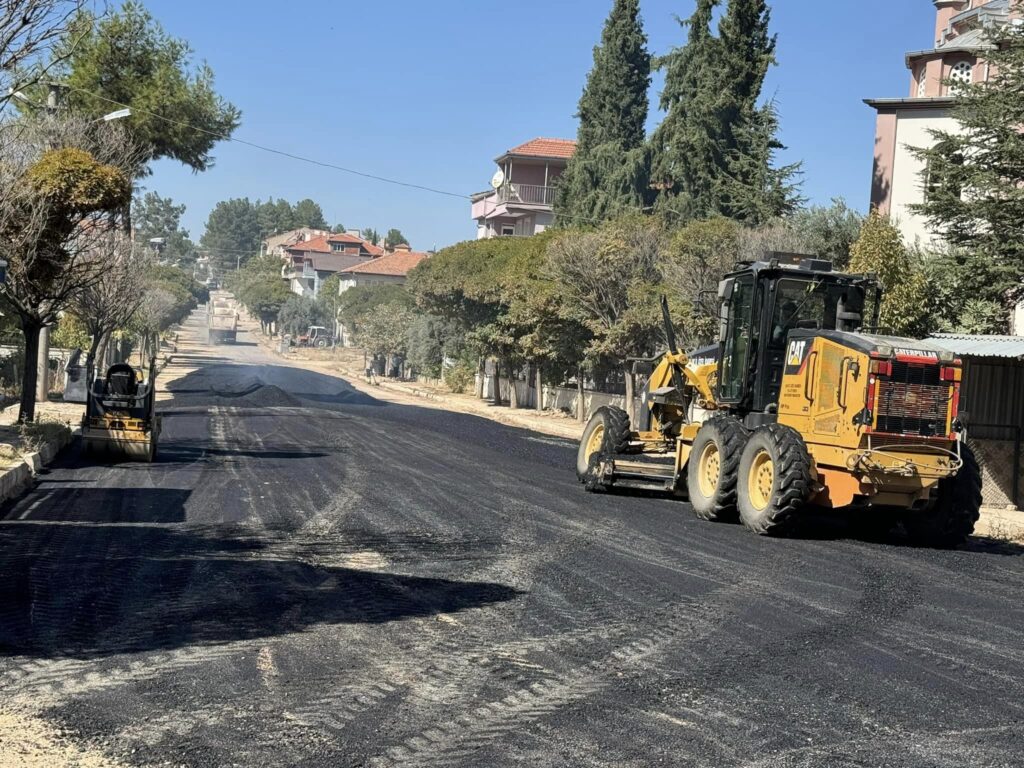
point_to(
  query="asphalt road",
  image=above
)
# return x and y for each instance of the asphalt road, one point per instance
(311, 577)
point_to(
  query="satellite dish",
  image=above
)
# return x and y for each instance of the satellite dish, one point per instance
(498, 178)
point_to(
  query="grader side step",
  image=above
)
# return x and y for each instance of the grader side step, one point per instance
(648, 475)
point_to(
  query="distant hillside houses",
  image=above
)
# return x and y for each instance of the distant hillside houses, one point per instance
(309, 257)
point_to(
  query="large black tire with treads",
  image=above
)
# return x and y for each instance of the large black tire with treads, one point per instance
(950, 519)
(775, 480)
(607, 433)
(713, 467)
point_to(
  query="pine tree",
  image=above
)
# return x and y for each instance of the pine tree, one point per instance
(714, 154)
(607, 174)
(975, 176)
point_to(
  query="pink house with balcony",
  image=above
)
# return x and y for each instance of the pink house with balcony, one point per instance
(957, 56)
(521, 200)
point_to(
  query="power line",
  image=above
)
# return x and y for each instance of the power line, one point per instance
(313, 161)
(281, 152)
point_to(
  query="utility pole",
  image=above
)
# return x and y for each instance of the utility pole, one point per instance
(43, 361)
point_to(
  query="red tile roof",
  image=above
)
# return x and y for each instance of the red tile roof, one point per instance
(397, 264)
(315, 245)
(560, 148)
(344, 237)
(322, 244)
(334, 262)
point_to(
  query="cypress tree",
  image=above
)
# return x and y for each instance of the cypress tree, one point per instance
(607, 174)
(746, 51)
(714, 154)
(686, 146)
(753, 189)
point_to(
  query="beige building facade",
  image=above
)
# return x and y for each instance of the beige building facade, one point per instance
(957, 56)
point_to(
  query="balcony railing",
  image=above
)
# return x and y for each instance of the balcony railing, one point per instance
(295, 272)
(531, 194)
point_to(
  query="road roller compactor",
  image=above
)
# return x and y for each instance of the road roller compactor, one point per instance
(805, 405)
(120, 421)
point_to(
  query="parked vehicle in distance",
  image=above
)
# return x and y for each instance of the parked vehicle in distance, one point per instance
(315, 336)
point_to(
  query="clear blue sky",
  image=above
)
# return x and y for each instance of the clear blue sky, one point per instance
(431, 92)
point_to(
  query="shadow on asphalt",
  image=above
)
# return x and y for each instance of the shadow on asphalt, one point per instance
(179, 454)
(847, 526)
(117, 584)
(840, 526)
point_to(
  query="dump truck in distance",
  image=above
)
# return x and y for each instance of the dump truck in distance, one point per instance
(222, 318)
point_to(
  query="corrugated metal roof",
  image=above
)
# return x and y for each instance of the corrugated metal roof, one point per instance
(980, 345)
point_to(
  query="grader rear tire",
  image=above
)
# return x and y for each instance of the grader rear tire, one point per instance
(774, 480)
(950, 519)
(606, 434)
(713, 469)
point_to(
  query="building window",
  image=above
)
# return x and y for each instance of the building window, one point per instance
(960, 75)
(508, 230)
(922, 82)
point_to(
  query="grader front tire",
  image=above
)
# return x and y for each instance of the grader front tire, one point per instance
(775, 480)
(713, 468)
(607, 433)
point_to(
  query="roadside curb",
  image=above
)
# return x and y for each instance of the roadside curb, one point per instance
(1002, 523)
(16, 479)
(509, 418)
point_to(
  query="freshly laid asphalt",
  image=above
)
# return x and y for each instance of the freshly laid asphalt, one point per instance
(311, 577)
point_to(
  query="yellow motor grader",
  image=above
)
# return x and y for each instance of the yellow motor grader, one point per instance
(802, 405)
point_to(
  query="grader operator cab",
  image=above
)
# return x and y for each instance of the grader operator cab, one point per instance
(805, 405)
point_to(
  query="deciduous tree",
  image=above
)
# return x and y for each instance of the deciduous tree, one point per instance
(609, 281)
(63, 184)
(300, 312)
(33, 41)
(695, 259)
(109, 303)
(384, 332)
(879, 249)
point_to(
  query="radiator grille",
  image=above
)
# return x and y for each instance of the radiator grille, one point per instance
(913, 400)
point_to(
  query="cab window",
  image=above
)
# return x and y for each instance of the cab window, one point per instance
(738, 342)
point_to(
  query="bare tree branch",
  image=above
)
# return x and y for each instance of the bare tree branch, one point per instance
(34, 41)
(51, 223)
(110, 302)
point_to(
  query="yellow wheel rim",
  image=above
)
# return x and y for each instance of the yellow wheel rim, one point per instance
(761, 480)
(595, 441)
(709, 469)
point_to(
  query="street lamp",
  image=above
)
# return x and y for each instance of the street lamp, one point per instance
(51, 104)
(117, 114)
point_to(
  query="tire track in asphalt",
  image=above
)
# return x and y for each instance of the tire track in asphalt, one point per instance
(463, 735)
